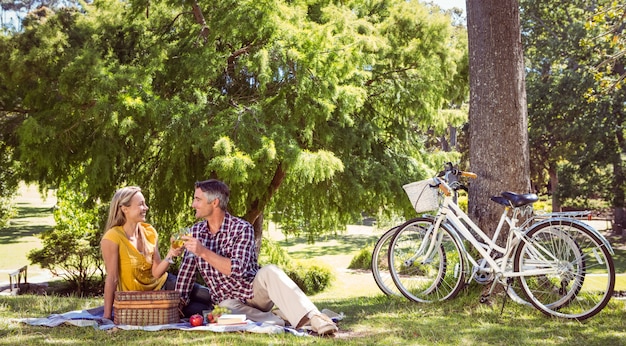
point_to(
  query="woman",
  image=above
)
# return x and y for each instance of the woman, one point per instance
(130, 250)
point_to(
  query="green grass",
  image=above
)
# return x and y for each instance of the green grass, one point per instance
(377, 320)
(371, 318)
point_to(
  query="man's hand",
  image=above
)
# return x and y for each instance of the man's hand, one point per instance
(193, 245)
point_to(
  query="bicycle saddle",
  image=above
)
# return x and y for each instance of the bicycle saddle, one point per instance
(515, 200)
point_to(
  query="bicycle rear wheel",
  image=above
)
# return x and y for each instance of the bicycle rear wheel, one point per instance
(574, 272)
(380, 264)
(422, 276)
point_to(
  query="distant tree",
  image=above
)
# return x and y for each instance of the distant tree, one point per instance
(12, 12)
(607, 22)
(556, 84)
(576, 108)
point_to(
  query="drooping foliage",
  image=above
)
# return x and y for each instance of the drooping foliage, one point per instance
(312, 111)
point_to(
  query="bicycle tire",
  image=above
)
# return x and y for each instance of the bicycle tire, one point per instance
(581, 276)
(380, 264)
(420, 279)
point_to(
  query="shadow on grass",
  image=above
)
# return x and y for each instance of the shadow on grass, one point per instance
(12, 235)
(26, 211)
(619, 259)
(342, 244)
(22, 226)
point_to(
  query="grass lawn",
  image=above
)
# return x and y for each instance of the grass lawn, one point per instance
(371, 318)
(34, 215)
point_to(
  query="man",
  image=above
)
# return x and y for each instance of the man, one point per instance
(222, 248)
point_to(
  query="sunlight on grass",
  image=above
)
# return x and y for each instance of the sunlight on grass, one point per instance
(20, 236)
(620, 282)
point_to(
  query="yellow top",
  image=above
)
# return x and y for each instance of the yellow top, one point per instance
(135, 268)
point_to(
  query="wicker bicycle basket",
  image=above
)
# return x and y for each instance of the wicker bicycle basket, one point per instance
(145, 308)
(422, 195)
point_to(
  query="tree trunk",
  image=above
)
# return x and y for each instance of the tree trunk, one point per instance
(619, 217)
(258, 233)
(554, 186)
(254, 215)
(498, 121)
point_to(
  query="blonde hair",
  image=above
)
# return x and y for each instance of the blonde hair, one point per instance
(121, 198)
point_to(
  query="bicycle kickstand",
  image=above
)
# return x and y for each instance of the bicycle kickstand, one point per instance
(506, 295)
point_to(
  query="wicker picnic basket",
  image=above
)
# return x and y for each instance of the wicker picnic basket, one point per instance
(145, 308)
(422, 195)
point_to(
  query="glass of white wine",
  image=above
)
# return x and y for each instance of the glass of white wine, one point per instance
(177, 238)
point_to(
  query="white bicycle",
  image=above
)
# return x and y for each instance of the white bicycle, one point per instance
(563, 266)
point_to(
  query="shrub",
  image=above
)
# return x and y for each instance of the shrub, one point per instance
(543, 206)
(310, 278)
(271, 252)
(71, 250)
(7, 210)
(362, 260)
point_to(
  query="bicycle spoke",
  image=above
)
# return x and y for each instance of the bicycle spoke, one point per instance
(569, 271)
(425, 268)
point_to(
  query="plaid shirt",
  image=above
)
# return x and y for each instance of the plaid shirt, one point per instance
(235, 240)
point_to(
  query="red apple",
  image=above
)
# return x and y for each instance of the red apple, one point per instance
(196, 320)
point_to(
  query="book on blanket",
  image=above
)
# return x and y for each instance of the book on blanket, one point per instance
(231, 319)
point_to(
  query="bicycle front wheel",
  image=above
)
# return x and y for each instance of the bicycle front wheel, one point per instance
(426, 265)
(380, 264)
(566, 270)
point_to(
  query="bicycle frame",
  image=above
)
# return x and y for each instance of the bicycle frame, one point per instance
(451, 214)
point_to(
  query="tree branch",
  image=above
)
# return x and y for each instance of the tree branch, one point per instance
(197, 13)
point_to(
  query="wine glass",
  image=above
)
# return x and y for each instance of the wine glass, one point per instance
(177, 238)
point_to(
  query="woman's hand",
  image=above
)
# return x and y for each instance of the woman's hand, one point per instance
(174, 252)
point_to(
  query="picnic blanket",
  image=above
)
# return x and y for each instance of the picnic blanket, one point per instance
(94, 318)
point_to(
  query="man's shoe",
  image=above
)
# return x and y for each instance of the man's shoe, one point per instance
(323, 325)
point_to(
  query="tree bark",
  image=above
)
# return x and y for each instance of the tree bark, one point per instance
(619, 217)
(255, 212)
(554, 186)
(199, 17)
(499, 151)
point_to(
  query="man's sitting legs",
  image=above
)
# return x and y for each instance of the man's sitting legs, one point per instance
(252, 313)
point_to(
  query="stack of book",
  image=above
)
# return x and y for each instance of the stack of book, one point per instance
(228, 319)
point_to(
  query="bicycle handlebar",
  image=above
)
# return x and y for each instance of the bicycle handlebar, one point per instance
(450, 176)
(469, 175)
(450, 169)
(443, 187)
